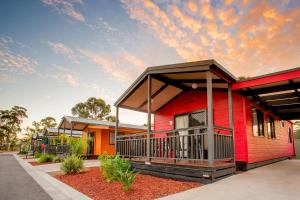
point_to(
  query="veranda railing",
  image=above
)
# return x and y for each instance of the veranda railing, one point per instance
(185, 144)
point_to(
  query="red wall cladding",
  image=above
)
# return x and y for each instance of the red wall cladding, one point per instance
(262, 148)
(195, 100)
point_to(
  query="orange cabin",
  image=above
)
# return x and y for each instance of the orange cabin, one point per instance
(100, 135)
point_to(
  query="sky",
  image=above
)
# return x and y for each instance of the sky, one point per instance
(56, 53)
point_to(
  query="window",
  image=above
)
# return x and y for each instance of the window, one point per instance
(290, 135)
(111, 138)
(282, 123)
(271, 128)
(258, 122)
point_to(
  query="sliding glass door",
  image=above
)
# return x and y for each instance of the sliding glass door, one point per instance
(189, 120)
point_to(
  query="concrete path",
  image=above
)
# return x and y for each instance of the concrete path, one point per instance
(56, 189)
(56, 166)
(272, 182)
(16, 184)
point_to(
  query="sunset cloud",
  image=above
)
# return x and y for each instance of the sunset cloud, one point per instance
(122, 67)
(66, 7)
(6, 78)
(134, 60)
(192, 6)
(248, 38)
(64, 75)
(11, 61)
(61, 48)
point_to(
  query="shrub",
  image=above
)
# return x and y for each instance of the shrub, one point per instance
(46, 158)
(111, 166)
(57, 159)
(37, 155)
(126, 178)
(77, 146)
(117, 169)
(23, 151)
(72, 164)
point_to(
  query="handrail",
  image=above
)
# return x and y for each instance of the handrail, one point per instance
(223, 128)
(164, 131)
(132, 135)
(179, 129)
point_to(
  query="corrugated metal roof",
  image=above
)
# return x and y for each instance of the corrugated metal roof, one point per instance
(67, 131)
(102, 123)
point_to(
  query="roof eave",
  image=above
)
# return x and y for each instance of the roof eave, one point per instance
(173, 68)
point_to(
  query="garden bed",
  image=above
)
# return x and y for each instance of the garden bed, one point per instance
(92, 184)
(35, 163)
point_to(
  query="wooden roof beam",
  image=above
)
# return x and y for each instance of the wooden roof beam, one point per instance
(261, 101)
(278, 88)
(295, 88)
(174, 83)
(154, 95)
(278, 96)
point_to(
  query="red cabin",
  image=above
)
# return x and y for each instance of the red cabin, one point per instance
(207, 123)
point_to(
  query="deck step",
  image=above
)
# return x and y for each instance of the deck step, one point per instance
(202, 174)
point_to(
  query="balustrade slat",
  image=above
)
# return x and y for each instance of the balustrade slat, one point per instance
(176, 146)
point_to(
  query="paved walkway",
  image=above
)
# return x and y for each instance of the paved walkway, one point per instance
(15, 183)
(56, 166)
(272, 182)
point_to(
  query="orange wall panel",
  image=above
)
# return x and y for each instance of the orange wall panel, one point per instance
(109, 148)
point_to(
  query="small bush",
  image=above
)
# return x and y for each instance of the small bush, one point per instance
(126, 178)
(46, 158)
(72, 164)
(111, 166)
(77, 146)
(23, 152)
(57, 159)
(37, 155)
(117, 169)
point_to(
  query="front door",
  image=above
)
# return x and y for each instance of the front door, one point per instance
(91, 140)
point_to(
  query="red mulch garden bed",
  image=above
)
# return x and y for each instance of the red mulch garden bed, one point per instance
(34, 163)
(92, 183)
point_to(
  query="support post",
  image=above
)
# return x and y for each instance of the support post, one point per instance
(88, 142)
(149, 118)
(230, 116)
(61, 141)
(116, 129)
(71, 129)
(210, 126)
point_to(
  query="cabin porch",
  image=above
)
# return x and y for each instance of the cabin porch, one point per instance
(202, 150)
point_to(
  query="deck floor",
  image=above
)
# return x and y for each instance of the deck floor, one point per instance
(189, 163)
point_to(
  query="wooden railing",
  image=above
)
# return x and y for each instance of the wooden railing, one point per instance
(223, 143)
(179, 144)
(57, 149)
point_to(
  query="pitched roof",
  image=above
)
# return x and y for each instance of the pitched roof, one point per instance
(54, 131)
(70, 119)
(185, 68)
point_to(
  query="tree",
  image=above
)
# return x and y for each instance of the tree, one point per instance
(93, 108)
(40, 126)
(10, 124)
(110, 118)
(297, 130)
(48, 122)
